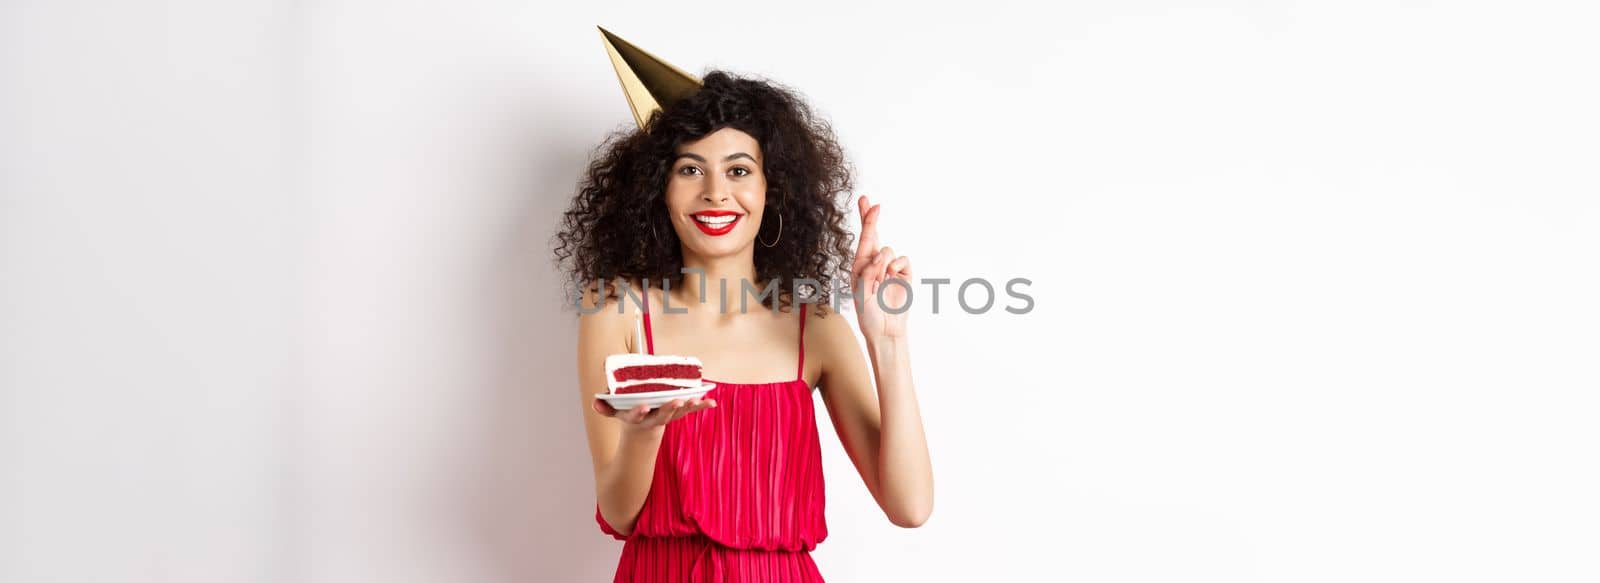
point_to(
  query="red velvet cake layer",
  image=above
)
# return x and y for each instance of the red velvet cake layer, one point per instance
(648, 388)
(657, 371)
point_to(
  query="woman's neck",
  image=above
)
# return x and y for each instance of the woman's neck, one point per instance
(735, 270)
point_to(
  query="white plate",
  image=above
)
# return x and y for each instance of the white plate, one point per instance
(653, 399)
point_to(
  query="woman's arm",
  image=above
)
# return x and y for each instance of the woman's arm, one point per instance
(622, 444)
(621, 486)
(905, 472)
(882, 429)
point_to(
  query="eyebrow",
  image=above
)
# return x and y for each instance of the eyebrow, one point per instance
(730, 157)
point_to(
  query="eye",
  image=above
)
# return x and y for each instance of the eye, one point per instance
(686, 170)
(746, 171)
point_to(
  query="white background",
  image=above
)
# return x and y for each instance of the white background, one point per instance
(1315, 285)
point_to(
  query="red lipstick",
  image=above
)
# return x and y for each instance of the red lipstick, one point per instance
(716, 223)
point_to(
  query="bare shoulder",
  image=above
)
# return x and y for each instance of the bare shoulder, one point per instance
(828, 333)
(607, 315)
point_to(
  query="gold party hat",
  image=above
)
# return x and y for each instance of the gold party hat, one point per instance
(648, 82)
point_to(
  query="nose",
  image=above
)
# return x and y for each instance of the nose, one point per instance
(716, 190)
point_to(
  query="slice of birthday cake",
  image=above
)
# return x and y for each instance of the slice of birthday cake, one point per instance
(648, 373)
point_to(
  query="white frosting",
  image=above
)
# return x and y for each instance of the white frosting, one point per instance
(624, 360)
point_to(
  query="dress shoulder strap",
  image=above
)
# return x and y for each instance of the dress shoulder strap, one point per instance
(802, 307)
(649, 341)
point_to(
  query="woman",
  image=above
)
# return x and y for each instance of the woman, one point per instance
(729, 486)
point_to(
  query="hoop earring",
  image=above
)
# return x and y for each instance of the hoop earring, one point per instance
(780, 233)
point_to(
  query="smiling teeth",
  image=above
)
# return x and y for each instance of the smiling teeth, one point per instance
(722, 220)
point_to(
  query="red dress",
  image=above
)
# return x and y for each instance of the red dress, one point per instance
(737, 492)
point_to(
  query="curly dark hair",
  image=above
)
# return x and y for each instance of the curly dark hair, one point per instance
(618, 227)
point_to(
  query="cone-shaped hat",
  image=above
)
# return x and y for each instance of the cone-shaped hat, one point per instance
(647, 81)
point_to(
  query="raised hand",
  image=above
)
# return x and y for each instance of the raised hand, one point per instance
(873, 265)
